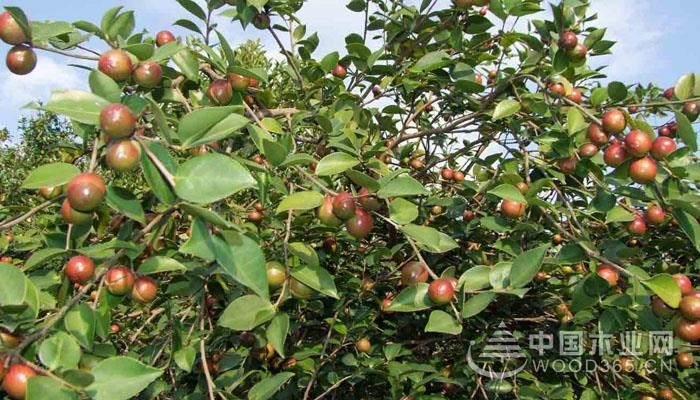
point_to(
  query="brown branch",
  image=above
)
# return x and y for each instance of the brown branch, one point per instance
(12, 222)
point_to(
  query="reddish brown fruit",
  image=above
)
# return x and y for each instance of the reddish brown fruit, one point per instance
(386, 303)
(637, 226)
(344, 206)
(326, 215)
(664, 130)
(73, 216)
(414, 272)
(684, 283)
(568, 40)
(637, 143)
(79, 269)
(447, 174)
(512, 209)
(119, 280)
(441, 291)
(261, 20)
(615, 154)
(220, 92)
(557, 89)
(360, 225)
(596, 134)
(340, 71)
(164, 37)
(117, 121)
(660, 308)
(690, 308)
(123, 155)
(632, 109)
(684, 360)
(368, 200)
(116, 64)
(608, 273)
(276, 274)
(10, 31)
(587, 150)
(655, 215)
(575, 96)
(469, 215)
(21, 60)
(255, 216)
(458, 176)
(50, 193)
(557, 239)
(691, 110)
(579, 52)
(687, 330)
(148, 74)
(643, 170)
(86, 191)
(523, 187)
(662, 147)
(15, 382)
(115, 328)
(665, 394)
(145, 289)
(669, 93)
(568, 165)
(614, 121)
(239, 83)
(417, 164)
(376, 90)
(253, 83)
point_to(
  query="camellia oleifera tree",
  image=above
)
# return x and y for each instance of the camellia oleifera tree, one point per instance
(347, 225)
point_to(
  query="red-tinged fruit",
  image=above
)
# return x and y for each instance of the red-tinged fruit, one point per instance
(220, 92)
(587, 150)
(669, 93)
(447, 174)
(687, 330)
(148, 74)
(691, 110)
(145, 289)
(662, 147)
(441, 291)
(339, 71)
(414, 272)
(575, 96)
(458, 176)
(609, 273)
(86, 191)
(684, 360)
(614, 121)
(164, 37)
(16, 379)
(568, 165)
(664, 130)
(123, 155)
(568, 40)
(116, 64)
(596, 134)
(557, 89)
(10, 31)
(21, 60)
(523, 187)
(579, 52)
(79, 269)
(344, 206)
(360, 225)
(117, 120)
(660, 308)
(655, 215)
(368, 200)
(615, 154)
(73, 216)
(638, 143)
(238, 82)
(690, 308)
(50, 193)
(684, 283)
(643, 170)
(119, 280)
(637, 226)
(512, 209)
(326, 215)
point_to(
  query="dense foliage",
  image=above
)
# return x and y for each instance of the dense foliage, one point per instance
(353, 225)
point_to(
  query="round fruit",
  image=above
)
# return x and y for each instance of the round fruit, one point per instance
(123, 155)
(447, 174)
(684, 360)
(660, 308)
(655, 215)
(376, 90)
(458, 176)
(148, 74)
(145, 289)
(117, 121)
(220, 92)
(255, 216)
(579, 52)
(665, 394)
(669, 93)
(568, 165)
(340, 71)
(115, 328)
(73, 216)
(50, 193)
(664, 131)
(575, 96)
(596, 134)
(436, 210)
(164, 37)
(683, 283)
(632, 109)
(643, 170)
(557, 239)
(116, 64)
(687, 330)
(638, 226)
(299, 290)
(238, 82)
(469, 215)
(441, 291)
(119, 280)
(416, 163)
(637, 143)
(587, 150)
(690, 308)
(21, 60)
(8, 340)
(363, 345)
(691, 110)
(15, 382)
(86, 192)
(344, 205)
(10, 31)
(662, 147)
(609, 273)
(615, 154)
(522, 187)
(360, 225)
(414, 272)
(512, 209)
(568, 40)
(368, 200)
(614, 121)
(557, 89)
(325, 213)
(276, 274)
(261, 21)
(79, 269)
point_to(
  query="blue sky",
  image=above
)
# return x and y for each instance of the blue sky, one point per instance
(655, 43)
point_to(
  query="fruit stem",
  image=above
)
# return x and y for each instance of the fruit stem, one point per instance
(65, 53)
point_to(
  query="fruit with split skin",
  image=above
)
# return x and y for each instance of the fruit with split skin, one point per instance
(145, 289)
(512, 209)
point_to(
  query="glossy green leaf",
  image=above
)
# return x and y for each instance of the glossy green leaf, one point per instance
(526, 266)
(689, 225)
(50, 175)
(121, 378)
(43, 388)
(617, 91)
(17, 292)
(80, 322)
(306, 253)
(664, 286)
(505, 108)
(246, 312)
(60, 350)
(686, 132)
(403, 211)
(124, 202)
(412, 298)
(276, 332)
(158, 264)
(79, 106)
(301, 201)
(104, 86)
(431, 61)
(211, 177)
(442, 322)
(317, 278)
(242, 259)
(335, 163)
(401, 186)
(429, 239)
(575, 121)
(267, 387)
(476, 304)
(508, 192)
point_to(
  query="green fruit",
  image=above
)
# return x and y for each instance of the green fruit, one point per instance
(276, 274)
(299, 290)
(325, 213)
(73, 216)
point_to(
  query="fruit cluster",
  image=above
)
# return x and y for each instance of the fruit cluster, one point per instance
(21, 58)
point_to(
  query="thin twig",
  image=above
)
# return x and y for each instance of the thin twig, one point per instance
(28, 214)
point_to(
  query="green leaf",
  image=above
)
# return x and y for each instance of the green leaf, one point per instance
(17, 291)
(43, 31)
(432, 61)
(207, 215)
(193, 8)
(598, 96)
(60, 350)
(329, 61)
(686, 132)
(79, 106)
(442, 322)
(403, 211)
(505, 108)
(526, 266)
(575, 121)
(161, 189)
(689, 225)
(301, 201)
(184, 358)
(42, 256)
(508, 192)
(277, 332)
(267, 387)
(21, 18)
(664, 286)
(43, 388)
(684, 87)
(104, 86)
(123, 201)
(50, 175)
(475, 278)
(401, 186)
(200, 244)
(618, 214)
(211, 177)
(242, 259)
(80, 322)
(187, 62)
(617, 91)
(335, 163)
(316, 278)
(246, 312)
(275, 153)
(121, 378)
(429, 239)
(474, 305)
(362, 179)
(306, 253)
(159, 118)
(594, 37)
(412, 298)
(210, 124)
(158, 264)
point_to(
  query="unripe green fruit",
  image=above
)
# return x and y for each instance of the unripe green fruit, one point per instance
(325, 213)
(299, 290)
(276, 274)
(73, 216)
